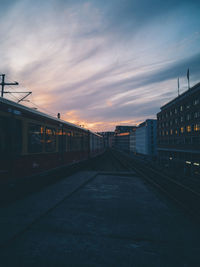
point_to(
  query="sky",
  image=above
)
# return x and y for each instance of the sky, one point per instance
(99, 63)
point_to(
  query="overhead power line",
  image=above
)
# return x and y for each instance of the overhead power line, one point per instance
(3, 83)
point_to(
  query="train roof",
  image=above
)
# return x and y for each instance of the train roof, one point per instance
(39, 113)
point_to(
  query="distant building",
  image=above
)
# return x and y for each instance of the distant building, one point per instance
(108, 138)
(122, 141)
(125, 138)
(179, 131)
(133, 142)
(146, 134)
(124, 129)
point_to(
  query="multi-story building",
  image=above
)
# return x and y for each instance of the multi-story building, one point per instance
(125, 137)
(146, 134)
(125, 128)
(179, 131)
(108, 138)
(133, 142)
(122, 141)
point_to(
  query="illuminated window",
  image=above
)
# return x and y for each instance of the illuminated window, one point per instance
(182, 129)
(50, 140)
(197, 127)
(176, 132)
(171, 131)
(188, 128)
(181, 108)
(166, 132)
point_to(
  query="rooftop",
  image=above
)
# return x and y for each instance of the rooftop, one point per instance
(190, 91)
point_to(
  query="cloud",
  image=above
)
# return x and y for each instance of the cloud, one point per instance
(106, 61)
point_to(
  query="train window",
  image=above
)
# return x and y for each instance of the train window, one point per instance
(68, 145)
(76, 141)
(50, 140)
(61, 140)
(35, 138)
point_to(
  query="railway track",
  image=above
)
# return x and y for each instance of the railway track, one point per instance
(184, 196)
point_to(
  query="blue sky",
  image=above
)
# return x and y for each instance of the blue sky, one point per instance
(100, 63)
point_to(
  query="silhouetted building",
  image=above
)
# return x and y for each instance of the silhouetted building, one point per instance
(179, 131)
(122, 141)
(125, 138)
(124, 129)
(146, 138)
(133, 141)
(108, 138)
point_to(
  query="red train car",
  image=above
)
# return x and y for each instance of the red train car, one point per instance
(33, 142)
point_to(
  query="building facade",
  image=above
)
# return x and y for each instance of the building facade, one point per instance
(125, 138)
(146, 138)
(179, 131)
(108, 138)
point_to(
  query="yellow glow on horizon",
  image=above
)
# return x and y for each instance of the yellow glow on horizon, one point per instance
(97, 126)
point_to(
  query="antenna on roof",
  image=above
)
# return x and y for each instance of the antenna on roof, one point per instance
(188, 77)
(178, 86)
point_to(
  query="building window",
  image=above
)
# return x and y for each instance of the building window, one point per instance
(188, 128)
(181, 108)
(176, 132)
(171, 131)
(197, 127)
(188, 106)
(182, 119)
(196, 114)
(175, 111)
(176, 121)
(170, 113)
(196, 101)
(166, 132)
(188, 117)
(182, 129)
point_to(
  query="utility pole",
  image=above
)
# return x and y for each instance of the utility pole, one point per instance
(3, 83)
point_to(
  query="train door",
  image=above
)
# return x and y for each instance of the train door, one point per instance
(4, 147)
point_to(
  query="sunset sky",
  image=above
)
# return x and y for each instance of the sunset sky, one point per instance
(100, 63)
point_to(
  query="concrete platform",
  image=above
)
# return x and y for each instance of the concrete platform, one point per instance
(98, 220)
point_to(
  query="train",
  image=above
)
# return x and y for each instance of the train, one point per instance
(33, 142)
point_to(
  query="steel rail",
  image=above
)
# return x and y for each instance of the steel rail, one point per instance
(184, 196)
